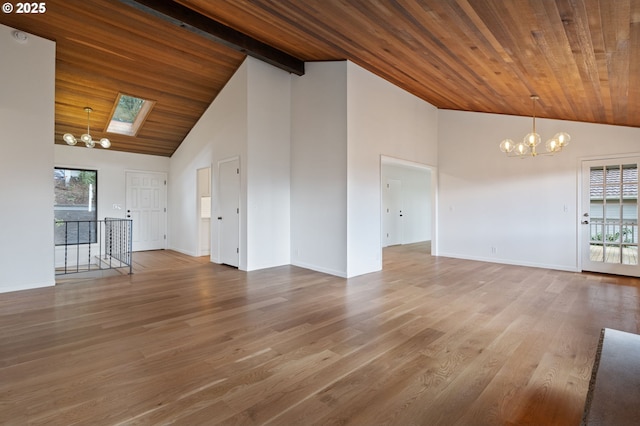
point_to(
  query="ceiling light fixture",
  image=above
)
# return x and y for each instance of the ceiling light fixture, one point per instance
(86, 138)
(527, 148)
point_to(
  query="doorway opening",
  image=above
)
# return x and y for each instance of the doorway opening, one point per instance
(204, 211)
(408, 216)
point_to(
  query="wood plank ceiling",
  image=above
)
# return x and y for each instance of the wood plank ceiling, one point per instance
(582, 57)
(105, 47)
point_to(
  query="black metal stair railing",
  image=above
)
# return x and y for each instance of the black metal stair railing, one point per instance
(91, 245)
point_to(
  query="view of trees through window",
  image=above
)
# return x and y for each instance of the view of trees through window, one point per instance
(128, 115)
(127, 109)
(75, 206)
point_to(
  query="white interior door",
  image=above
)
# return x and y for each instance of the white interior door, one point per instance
(609, 219)
(146, 206)
(392, 204)
(229, 217)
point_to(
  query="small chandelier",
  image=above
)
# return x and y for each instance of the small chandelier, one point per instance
(86, 138)
(528, 145)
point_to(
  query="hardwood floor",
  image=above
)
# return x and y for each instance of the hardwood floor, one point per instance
(427, 341)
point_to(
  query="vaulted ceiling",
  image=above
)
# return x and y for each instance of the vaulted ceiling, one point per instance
(582, 57)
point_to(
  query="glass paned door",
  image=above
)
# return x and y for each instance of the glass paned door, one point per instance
(610, 217)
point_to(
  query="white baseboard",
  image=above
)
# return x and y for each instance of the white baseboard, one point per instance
(6, 288)
(512, 262)
(187, 252)
(341, 274)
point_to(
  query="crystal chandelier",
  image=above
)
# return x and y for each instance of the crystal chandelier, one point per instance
(86, 138)
(527, 148)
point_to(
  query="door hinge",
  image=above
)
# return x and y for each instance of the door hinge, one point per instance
(238, 210)
(165, 182)
(237, 171)
(165, 209)
(165, 236)
(237, 250)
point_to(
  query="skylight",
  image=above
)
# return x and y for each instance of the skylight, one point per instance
(128, 115)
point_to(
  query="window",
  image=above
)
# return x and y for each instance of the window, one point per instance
(128, 115)
(613, 213)
(75, 206)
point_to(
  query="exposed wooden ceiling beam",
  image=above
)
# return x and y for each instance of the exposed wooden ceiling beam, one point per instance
(197, 23)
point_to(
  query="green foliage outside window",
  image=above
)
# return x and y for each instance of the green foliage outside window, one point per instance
(627, 235)
(75, 205)
(127, 109)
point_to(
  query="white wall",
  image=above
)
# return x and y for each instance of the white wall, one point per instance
(382, 120)
(268, 166)
(526, 209)
(249, 119)
(220, 133)
(343, 120)
(111, 167)
(319, 168)
(416, 201)
(27, 91)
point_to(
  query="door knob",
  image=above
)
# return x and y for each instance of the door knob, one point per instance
(586, 215)
(219, 217)
(585, 222)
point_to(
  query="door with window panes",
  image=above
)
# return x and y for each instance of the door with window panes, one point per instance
(609, 219)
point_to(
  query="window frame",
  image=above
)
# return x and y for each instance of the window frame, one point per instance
(92, 223)
(139, 120)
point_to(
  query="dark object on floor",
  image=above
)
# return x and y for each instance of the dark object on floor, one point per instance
(614, 391)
